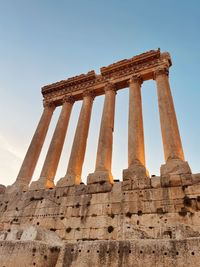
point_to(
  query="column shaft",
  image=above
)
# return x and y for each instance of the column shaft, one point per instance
(32, 155)
(104, 151)
(54, 152)
(74, 170)
(136, 151)
(169, 126)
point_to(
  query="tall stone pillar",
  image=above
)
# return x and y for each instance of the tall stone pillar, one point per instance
(32, 155)
(54, 152)
(173, 150)
(136, 151)
(74, 170)
(102, 172)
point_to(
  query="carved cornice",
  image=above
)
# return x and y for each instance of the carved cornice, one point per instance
(132, 62)
(161, 71)
(70, 82)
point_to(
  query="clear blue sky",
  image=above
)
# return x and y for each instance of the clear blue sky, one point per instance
(45, 41)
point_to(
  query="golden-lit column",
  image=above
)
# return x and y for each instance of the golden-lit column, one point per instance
(74, 170)
(169, 126)
(32, 155)
(49, 169)
(136, 150)
(173, 150)
(104, 151)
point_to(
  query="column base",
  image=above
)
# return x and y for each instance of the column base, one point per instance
(136, 177)
(175, 172)
(41, 183)
(100, 177)
(69, 180)
(17, 186)
(175, 166)
(99, 182)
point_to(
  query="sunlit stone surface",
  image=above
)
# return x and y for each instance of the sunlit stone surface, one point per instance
(139, 221)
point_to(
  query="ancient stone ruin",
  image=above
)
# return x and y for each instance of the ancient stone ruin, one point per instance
(139, 221)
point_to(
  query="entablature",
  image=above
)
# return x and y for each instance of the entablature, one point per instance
(118, 73)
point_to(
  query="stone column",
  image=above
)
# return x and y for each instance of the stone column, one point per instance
(136, 151)
(74, 170)
(104, 153)
(173, 150)
(54, 152)
(32, 155)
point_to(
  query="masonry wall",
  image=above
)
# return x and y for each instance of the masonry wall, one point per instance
(154, 226)
(26, 254)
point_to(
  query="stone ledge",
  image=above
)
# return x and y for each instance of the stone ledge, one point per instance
(28, 253)
(148, 253)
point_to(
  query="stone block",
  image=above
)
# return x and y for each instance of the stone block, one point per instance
(99, 177)
(17, 187)
(99, 187)
(135, 172)
(127, 185)
(171, 180)
(38, 233)
(95, 210)
(100, 198)
(141, 183)
(132, 207)
(175, 166)
(196, 178)
(14, 234)
(176, 193)
(186, 179)
(117, 188)
(155, 182)
(116, 208)
(41, 183)
(3, 235)
(80, 189)
(81, 233)
(193, 190)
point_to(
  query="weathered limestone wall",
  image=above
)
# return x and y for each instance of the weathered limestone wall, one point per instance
(153, 226)
(143, 253)
(26, 254)
(75, 214)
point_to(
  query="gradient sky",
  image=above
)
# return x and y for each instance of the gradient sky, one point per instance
(44, 41)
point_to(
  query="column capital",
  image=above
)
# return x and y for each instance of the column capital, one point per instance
(88, 93)
(49, 104)
(160, 71)
(110, 87)
(136, 78)
(69, 99)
